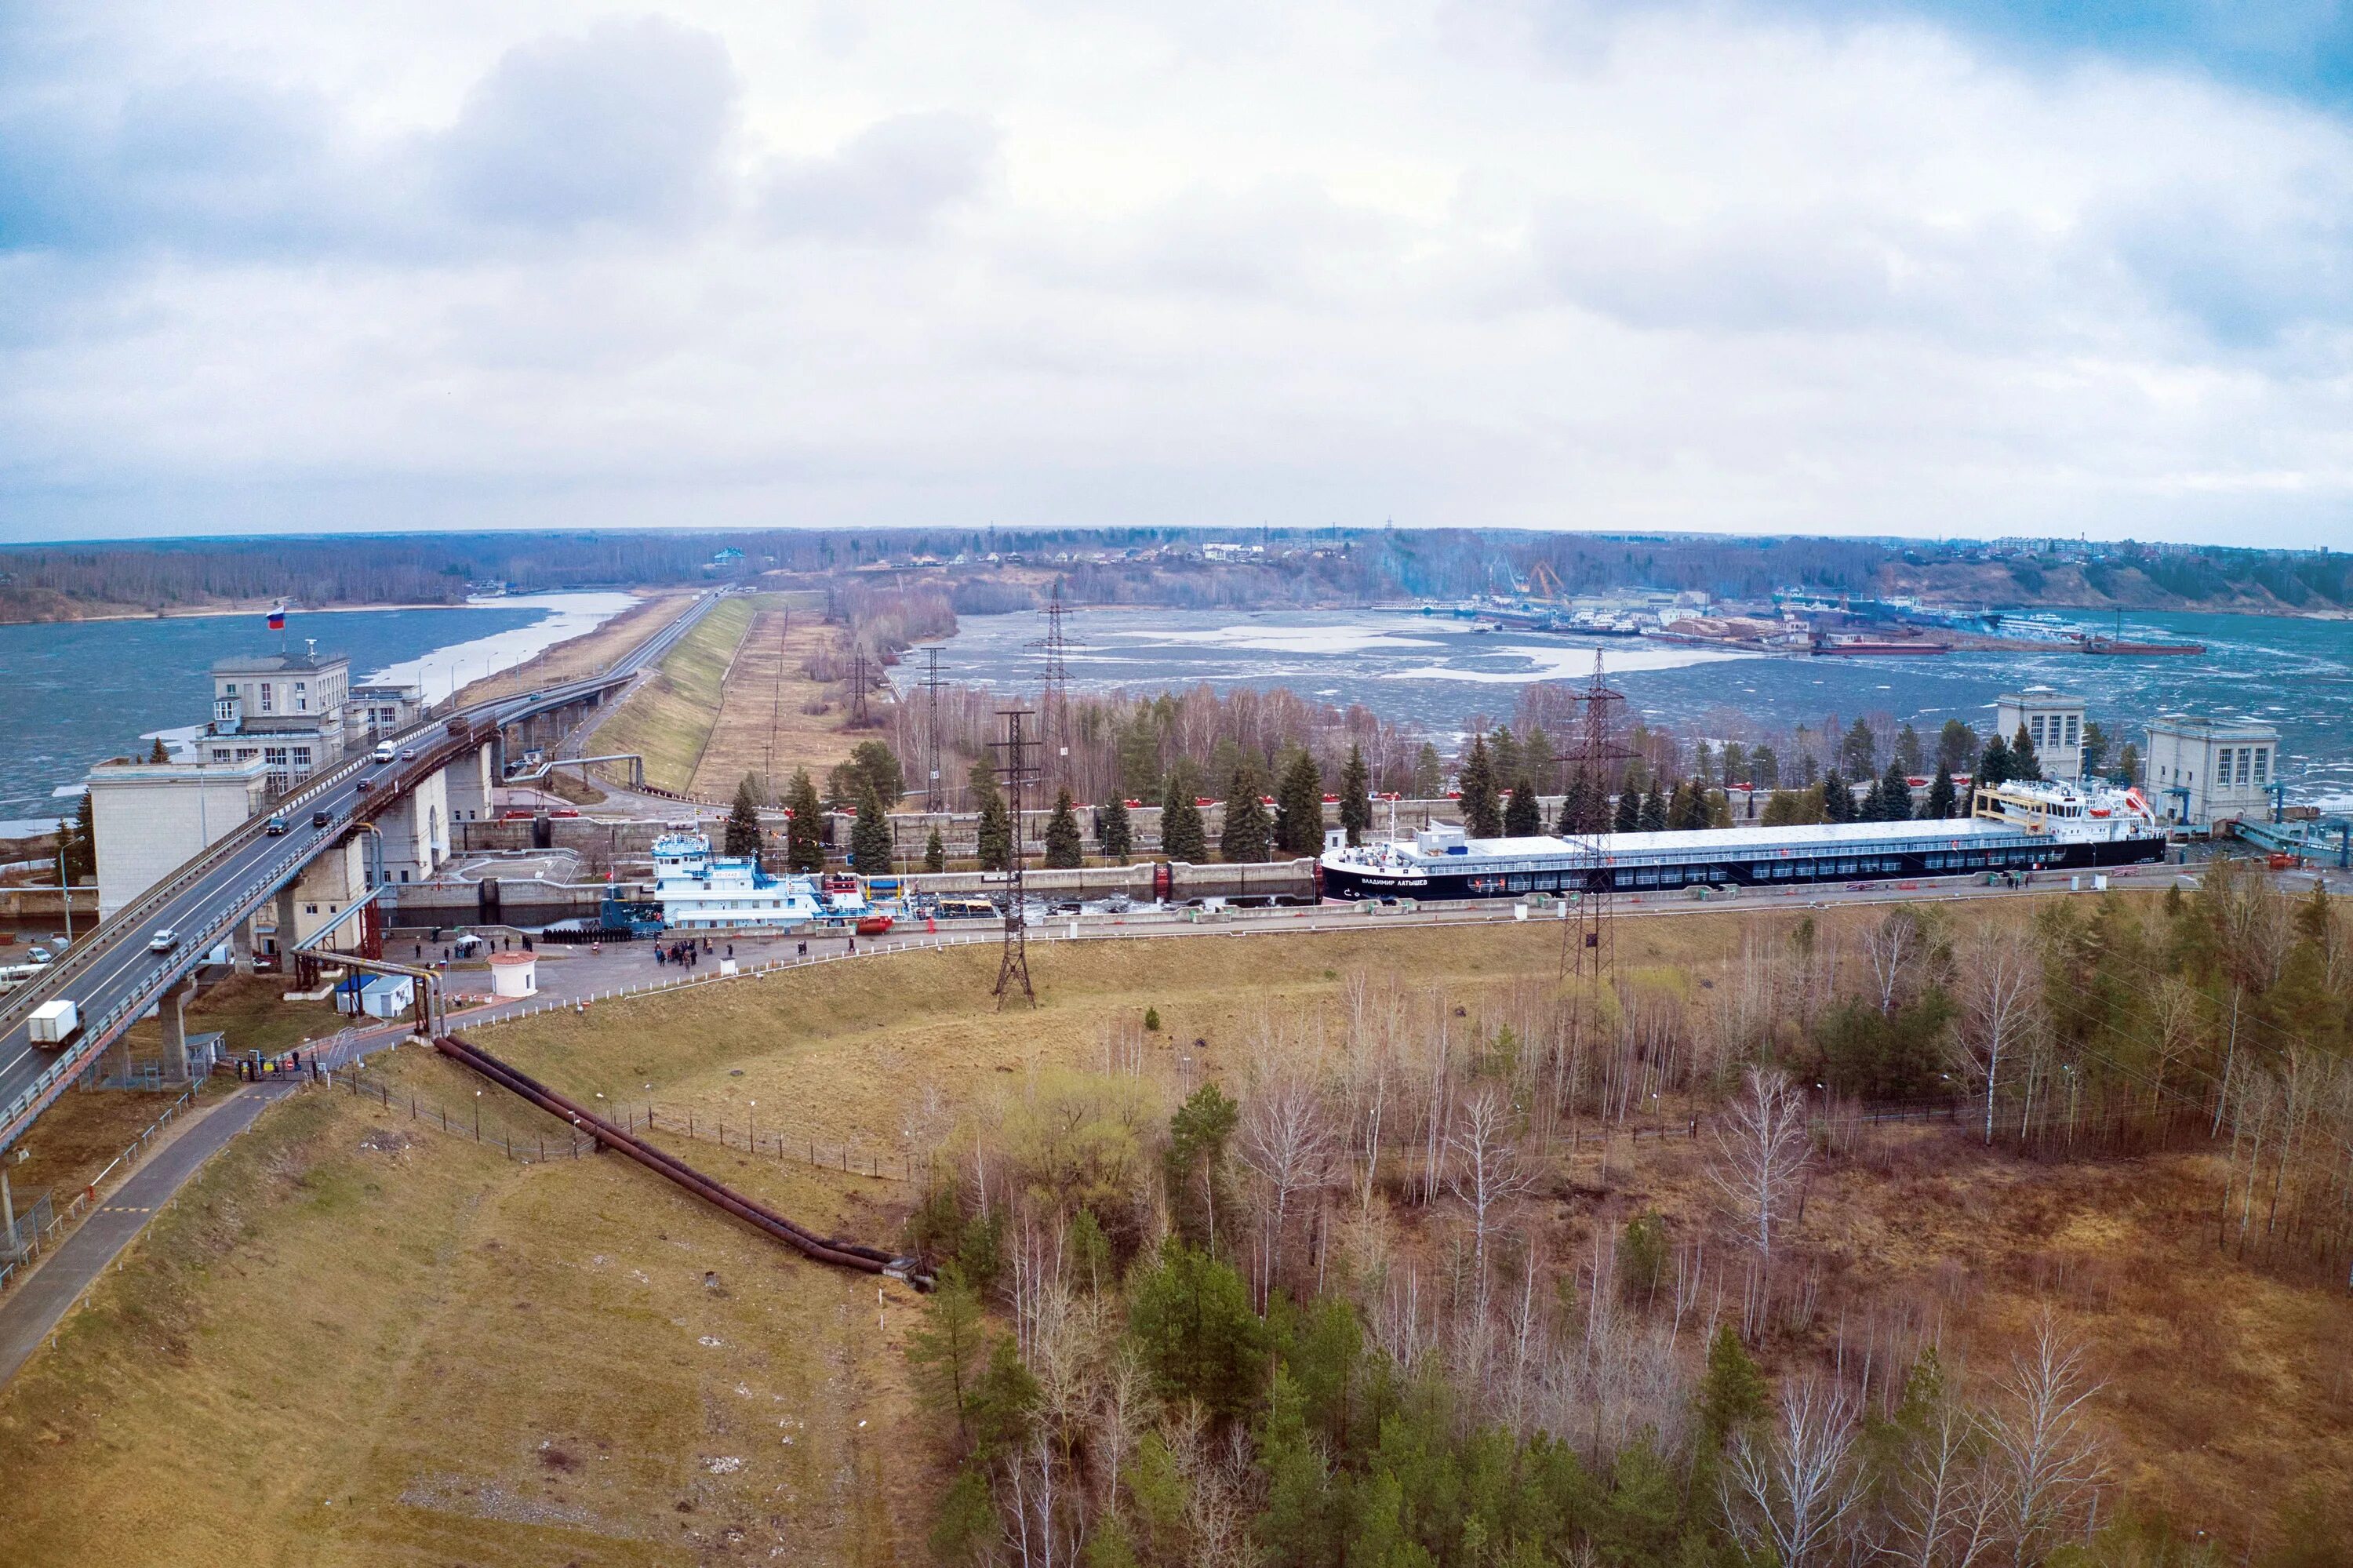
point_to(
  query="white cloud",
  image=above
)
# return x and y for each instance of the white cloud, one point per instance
(1668, 268)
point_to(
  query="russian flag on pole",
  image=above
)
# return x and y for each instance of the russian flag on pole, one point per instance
(277, 618)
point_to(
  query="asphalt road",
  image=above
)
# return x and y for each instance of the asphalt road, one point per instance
(113, 975)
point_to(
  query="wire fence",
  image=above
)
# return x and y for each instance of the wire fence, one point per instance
(32, 1241)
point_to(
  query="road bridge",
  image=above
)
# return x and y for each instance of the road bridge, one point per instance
(113, 976)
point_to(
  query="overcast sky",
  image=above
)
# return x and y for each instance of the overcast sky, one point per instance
(1825, 267)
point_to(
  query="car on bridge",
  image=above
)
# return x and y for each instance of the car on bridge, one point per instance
(275, 826)
(386, 752)
(320, 819)
(164, 940)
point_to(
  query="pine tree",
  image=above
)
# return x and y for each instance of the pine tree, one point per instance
(1581, 810)
(1993, 765)
(1182, 835)
(1957, 746)
(1654, 812)
(944, 1351)
(1299, 808)
(1480, 820)
(1523, 815)
(1734, 766)
(936, 853)
(1907, 749)
(1355, 795)
(1247, 836)
(1765, 768)
(77, 843)
(1116, 833)
(1687, 811)
(1838, 799)
(1428, 779)
(158, 752)
(804, 841)
(996, 830)
(1940, 801)
(1629, 819)
(1704, 763)
(1065, 848)
(2023, 763)
(1731, 1394)
(870, 837)
(1896, 793)
(1537, 758)
(1859, 752)
(741, 836)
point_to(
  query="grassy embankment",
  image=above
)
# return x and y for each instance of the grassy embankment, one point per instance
(483, 1362)
(668, 719)
(731, 697)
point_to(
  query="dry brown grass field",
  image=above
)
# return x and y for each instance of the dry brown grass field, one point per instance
(362, 1340)
(765, 727)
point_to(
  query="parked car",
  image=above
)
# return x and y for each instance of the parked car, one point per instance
(164, 940)
(39, 954)
(275, 826)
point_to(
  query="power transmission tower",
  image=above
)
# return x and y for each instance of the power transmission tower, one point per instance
(860, 680)
(1588, 945)
(932, 685)
(1017, 768)
(1054, 702)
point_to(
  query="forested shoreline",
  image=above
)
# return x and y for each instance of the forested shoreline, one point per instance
(1011, 569)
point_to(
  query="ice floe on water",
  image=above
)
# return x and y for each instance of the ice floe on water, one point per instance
(1339, 637)
(1562, 664)
(445, 669)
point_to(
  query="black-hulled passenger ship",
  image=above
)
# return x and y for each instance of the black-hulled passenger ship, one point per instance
(2013, 827)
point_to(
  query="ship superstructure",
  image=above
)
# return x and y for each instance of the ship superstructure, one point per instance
(699, 890)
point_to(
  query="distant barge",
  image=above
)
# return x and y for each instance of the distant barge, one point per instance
(2112, 648)
(1866, 647)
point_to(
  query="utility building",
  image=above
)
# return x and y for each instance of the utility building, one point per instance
(286, 709)
(2053, 723)
(2202, 772)
(152, 817)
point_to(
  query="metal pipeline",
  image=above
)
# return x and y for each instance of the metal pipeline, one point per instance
(560, 1104)
(832, 1250)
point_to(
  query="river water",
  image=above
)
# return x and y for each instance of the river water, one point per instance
(78, 692)
(1439, 673)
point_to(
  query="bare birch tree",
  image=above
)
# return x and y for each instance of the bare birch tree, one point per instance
(2001, 1001)
(1761, 1153)
(1792, 1493)
(1949, 1501)
(1486, 1170)
(1286, 1142)
(2046, 1441)
(1891, 950)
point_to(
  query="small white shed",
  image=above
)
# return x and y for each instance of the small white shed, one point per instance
(377, 996)
(514, 974)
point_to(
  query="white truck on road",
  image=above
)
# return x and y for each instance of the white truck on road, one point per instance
(55, 1024)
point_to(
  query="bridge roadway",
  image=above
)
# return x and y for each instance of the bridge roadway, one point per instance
(113, 977)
